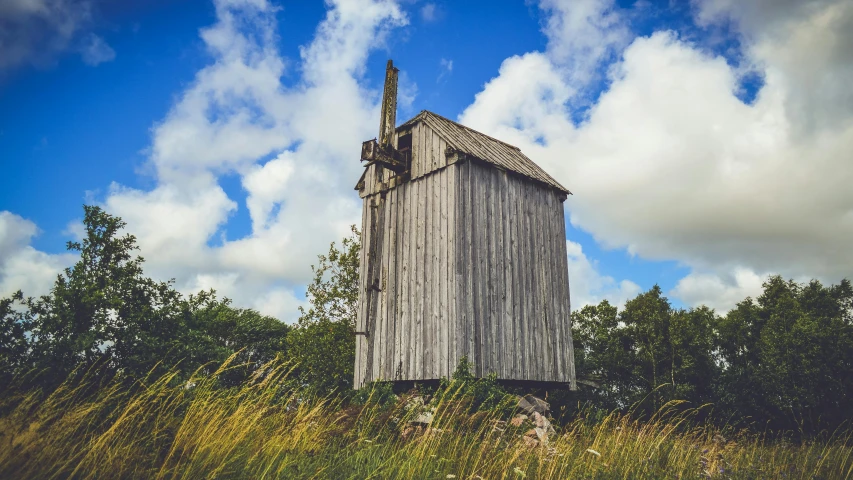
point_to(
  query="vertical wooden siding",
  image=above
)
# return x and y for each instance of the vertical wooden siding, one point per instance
(464, 260)
(512, 273)
(404, 297)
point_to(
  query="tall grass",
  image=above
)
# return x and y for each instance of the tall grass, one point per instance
(266, 428)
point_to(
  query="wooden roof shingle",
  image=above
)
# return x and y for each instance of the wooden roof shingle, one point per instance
(485, 148)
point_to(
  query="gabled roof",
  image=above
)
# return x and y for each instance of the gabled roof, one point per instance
(485, 148)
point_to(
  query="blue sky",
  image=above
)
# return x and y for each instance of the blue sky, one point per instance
(672, 122)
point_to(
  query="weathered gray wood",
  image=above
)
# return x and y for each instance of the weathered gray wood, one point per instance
(518, 339)
(436, 154)
(500, 277)
(406, 285)
(435, 277)
(389, 288)
(550, 282)
(449, 291)
(463, 260)
(480, 291)
(441, 235)
(460, 254)
(426, 266)
(471, 267)
(530, 333)
(418, 295)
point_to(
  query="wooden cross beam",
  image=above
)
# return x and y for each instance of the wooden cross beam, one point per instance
(385, 156)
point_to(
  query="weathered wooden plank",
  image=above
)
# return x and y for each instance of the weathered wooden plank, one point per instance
(500, 270)
(544, 273)
(421, 263)
(436, 148)
(450, 271)
(557, 237)
(537, 283)
(550, 284)
(482, 270)
(484, 278)
(391, 288)
(530, 334)
(471, 268)
(426, 267)
(417, 157)
(402, 253)
(491, 238)
(439, 273)
(413, 278)
(535, 299)
(406, 285)
(426, 151)
(429, 160)
(432, 262)
(461, 254)
(512, 275)
(383, 293)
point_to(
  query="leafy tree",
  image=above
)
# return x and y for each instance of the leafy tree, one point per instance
(101, 310)
(788, 356)
(323, 341)
(217, 330)
(104, 311)
(646, 355)
(602, 350)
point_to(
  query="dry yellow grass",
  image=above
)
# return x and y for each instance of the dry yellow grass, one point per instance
(266, 429)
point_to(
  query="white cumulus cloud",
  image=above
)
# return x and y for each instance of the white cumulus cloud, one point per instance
(670, 164)
(291, 145)
(22, 267)
(588, 286)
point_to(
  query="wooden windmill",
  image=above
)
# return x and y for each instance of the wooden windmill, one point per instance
(463, 254)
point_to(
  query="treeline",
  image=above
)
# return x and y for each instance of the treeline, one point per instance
(780, 362)
(103, 317)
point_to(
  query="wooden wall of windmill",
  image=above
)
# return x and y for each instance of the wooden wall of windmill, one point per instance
(463, 254)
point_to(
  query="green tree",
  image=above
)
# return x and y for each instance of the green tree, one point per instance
(645, 355)
(323, 341)
(217, 330)
(788, 356)
(103, 310)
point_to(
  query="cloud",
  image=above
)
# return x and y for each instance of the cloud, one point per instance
(22, 267)
(96, 51)
(581, 35)
(430, 12)
(291, 146)
(446, 69)
(720, 291)
(35, 31)
(588, 286)
(670, 164)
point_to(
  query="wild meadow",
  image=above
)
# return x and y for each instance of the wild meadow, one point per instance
(268, 428)
(116, 375)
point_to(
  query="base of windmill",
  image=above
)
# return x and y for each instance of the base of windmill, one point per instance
(532, 411)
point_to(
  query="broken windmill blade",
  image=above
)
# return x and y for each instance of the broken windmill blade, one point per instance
(382, 151)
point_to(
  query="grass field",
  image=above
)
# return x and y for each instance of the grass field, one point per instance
(264, 429)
